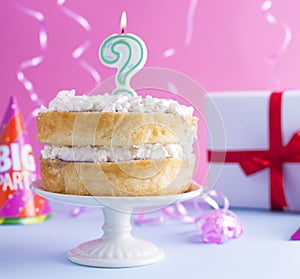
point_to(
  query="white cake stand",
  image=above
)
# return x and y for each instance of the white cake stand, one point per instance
(117, 247)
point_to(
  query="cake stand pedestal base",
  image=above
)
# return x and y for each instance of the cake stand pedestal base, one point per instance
(117, 247)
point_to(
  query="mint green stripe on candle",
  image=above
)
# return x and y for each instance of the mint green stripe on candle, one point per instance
(127, 53)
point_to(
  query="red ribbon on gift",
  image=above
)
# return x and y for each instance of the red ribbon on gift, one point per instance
(252, 161)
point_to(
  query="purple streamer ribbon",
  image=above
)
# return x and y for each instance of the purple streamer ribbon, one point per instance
(216, 226)
(220, 224)
(79, 51)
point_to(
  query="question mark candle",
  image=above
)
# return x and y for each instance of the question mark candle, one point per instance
(127, 53)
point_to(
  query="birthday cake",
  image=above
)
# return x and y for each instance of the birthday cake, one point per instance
(116, 145)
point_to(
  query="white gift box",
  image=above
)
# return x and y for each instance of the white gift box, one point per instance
(245, 116)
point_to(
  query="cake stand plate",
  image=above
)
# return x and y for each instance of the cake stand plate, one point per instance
(117, 247)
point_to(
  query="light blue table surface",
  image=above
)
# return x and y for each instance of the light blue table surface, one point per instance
(264, 250)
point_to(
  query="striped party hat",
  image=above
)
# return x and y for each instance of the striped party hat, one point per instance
(18, 204)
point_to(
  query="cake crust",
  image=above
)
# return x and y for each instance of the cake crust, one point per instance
(113, 129)
(133, 178)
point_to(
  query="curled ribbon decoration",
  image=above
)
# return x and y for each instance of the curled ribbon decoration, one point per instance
(187, 40)
(220, 224)
(216, 226)
(274, 56)
(79, 51)
(35, 61)
(189, 31)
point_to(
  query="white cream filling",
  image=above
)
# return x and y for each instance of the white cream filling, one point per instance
(67, 101)
(112, 154)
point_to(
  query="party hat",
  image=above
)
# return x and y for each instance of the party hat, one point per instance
(18, 204)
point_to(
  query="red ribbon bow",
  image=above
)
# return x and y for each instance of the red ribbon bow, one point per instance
(273, 158)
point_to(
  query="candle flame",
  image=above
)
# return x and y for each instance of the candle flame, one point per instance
(123, 22)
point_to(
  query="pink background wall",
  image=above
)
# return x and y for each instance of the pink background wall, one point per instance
(229, 47)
